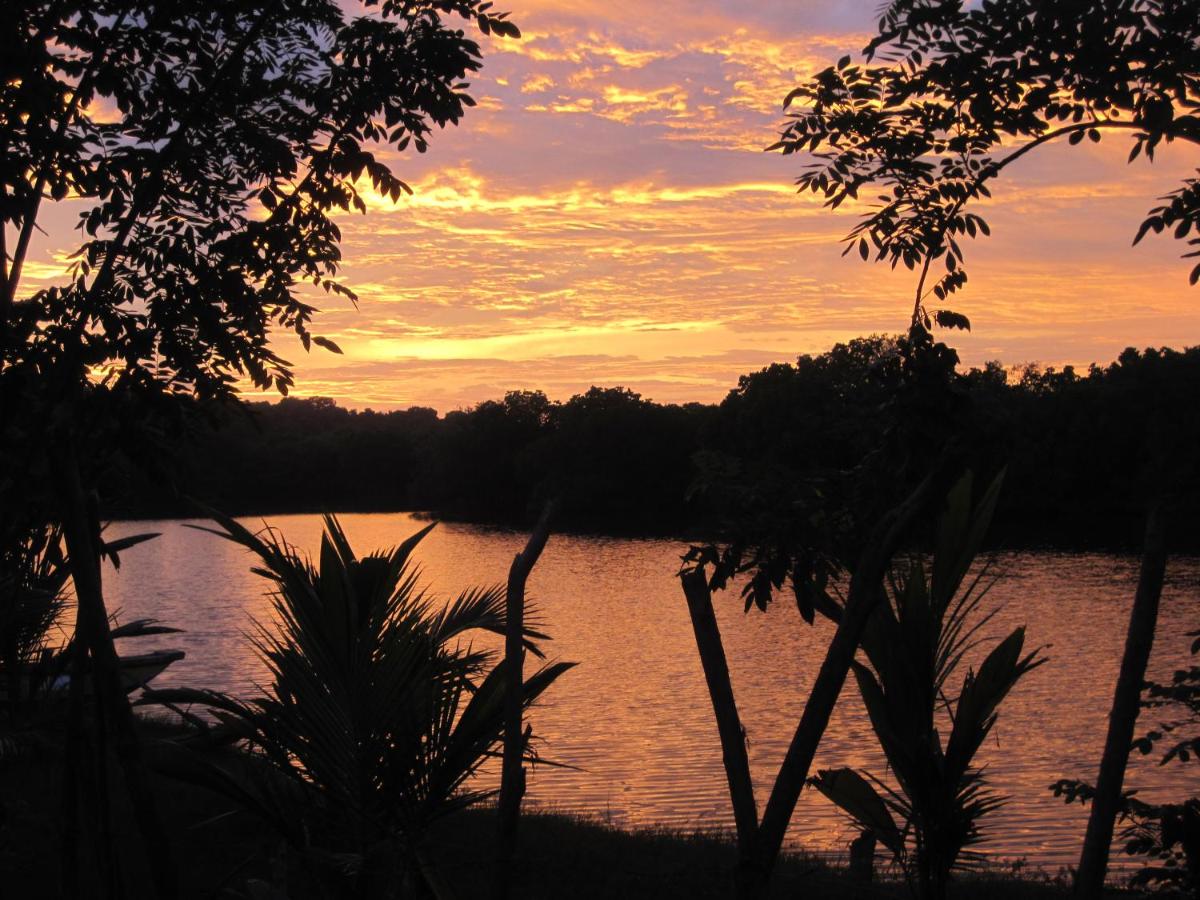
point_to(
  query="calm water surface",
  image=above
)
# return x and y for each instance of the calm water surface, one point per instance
(634, 716)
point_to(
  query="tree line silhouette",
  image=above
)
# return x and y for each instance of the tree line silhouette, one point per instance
(622, 464)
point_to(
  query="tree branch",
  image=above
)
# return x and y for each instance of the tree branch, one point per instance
(993, 169)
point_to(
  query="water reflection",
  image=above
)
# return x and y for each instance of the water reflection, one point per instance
(634, 716)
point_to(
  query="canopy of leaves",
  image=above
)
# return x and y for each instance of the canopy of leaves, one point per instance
(207, 146)
(950, 93)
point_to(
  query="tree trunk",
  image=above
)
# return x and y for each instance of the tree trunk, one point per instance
(74, 759)
(729, 725)
(107, 857)
(1093, 861)
(512, 773)
(93, 637)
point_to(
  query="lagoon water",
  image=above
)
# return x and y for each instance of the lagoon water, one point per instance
(634, 716)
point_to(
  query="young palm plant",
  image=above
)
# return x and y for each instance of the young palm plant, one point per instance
(913, 644)
(378, 713)
(33, 580)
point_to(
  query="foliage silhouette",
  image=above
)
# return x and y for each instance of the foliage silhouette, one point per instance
(760, 841)
(914, 643)
(378, 715)
(33, 583)
(208, 146)
(223, 112)
(800, 532)
(961, 91)
(745, 460)
(1167, 833)
(936, 122)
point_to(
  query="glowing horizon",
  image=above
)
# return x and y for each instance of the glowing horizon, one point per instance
(607, 215)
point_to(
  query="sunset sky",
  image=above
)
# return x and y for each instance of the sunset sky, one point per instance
(607, 215)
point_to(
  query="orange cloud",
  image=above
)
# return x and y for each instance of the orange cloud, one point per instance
(606, 215)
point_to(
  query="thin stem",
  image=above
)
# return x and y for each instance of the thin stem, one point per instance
(81, 532)
(990, 171)
(729, 726)
(865, 593)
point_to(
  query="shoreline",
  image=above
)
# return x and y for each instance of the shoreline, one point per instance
(1187, 545)
(559, 854)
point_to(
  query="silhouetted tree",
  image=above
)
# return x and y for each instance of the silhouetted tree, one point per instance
(208, 146)
(935, 124)
(477, 464)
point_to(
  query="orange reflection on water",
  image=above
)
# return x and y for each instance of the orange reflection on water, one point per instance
(634, 716)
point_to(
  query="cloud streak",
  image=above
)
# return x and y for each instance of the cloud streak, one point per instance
(607, 215)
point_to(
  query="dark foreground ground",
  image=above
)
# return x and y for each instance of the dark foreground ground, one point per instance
(218, 851)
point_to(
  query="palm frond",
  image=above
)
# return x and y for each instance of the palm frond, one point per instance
(377, 704)
(913, 644)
